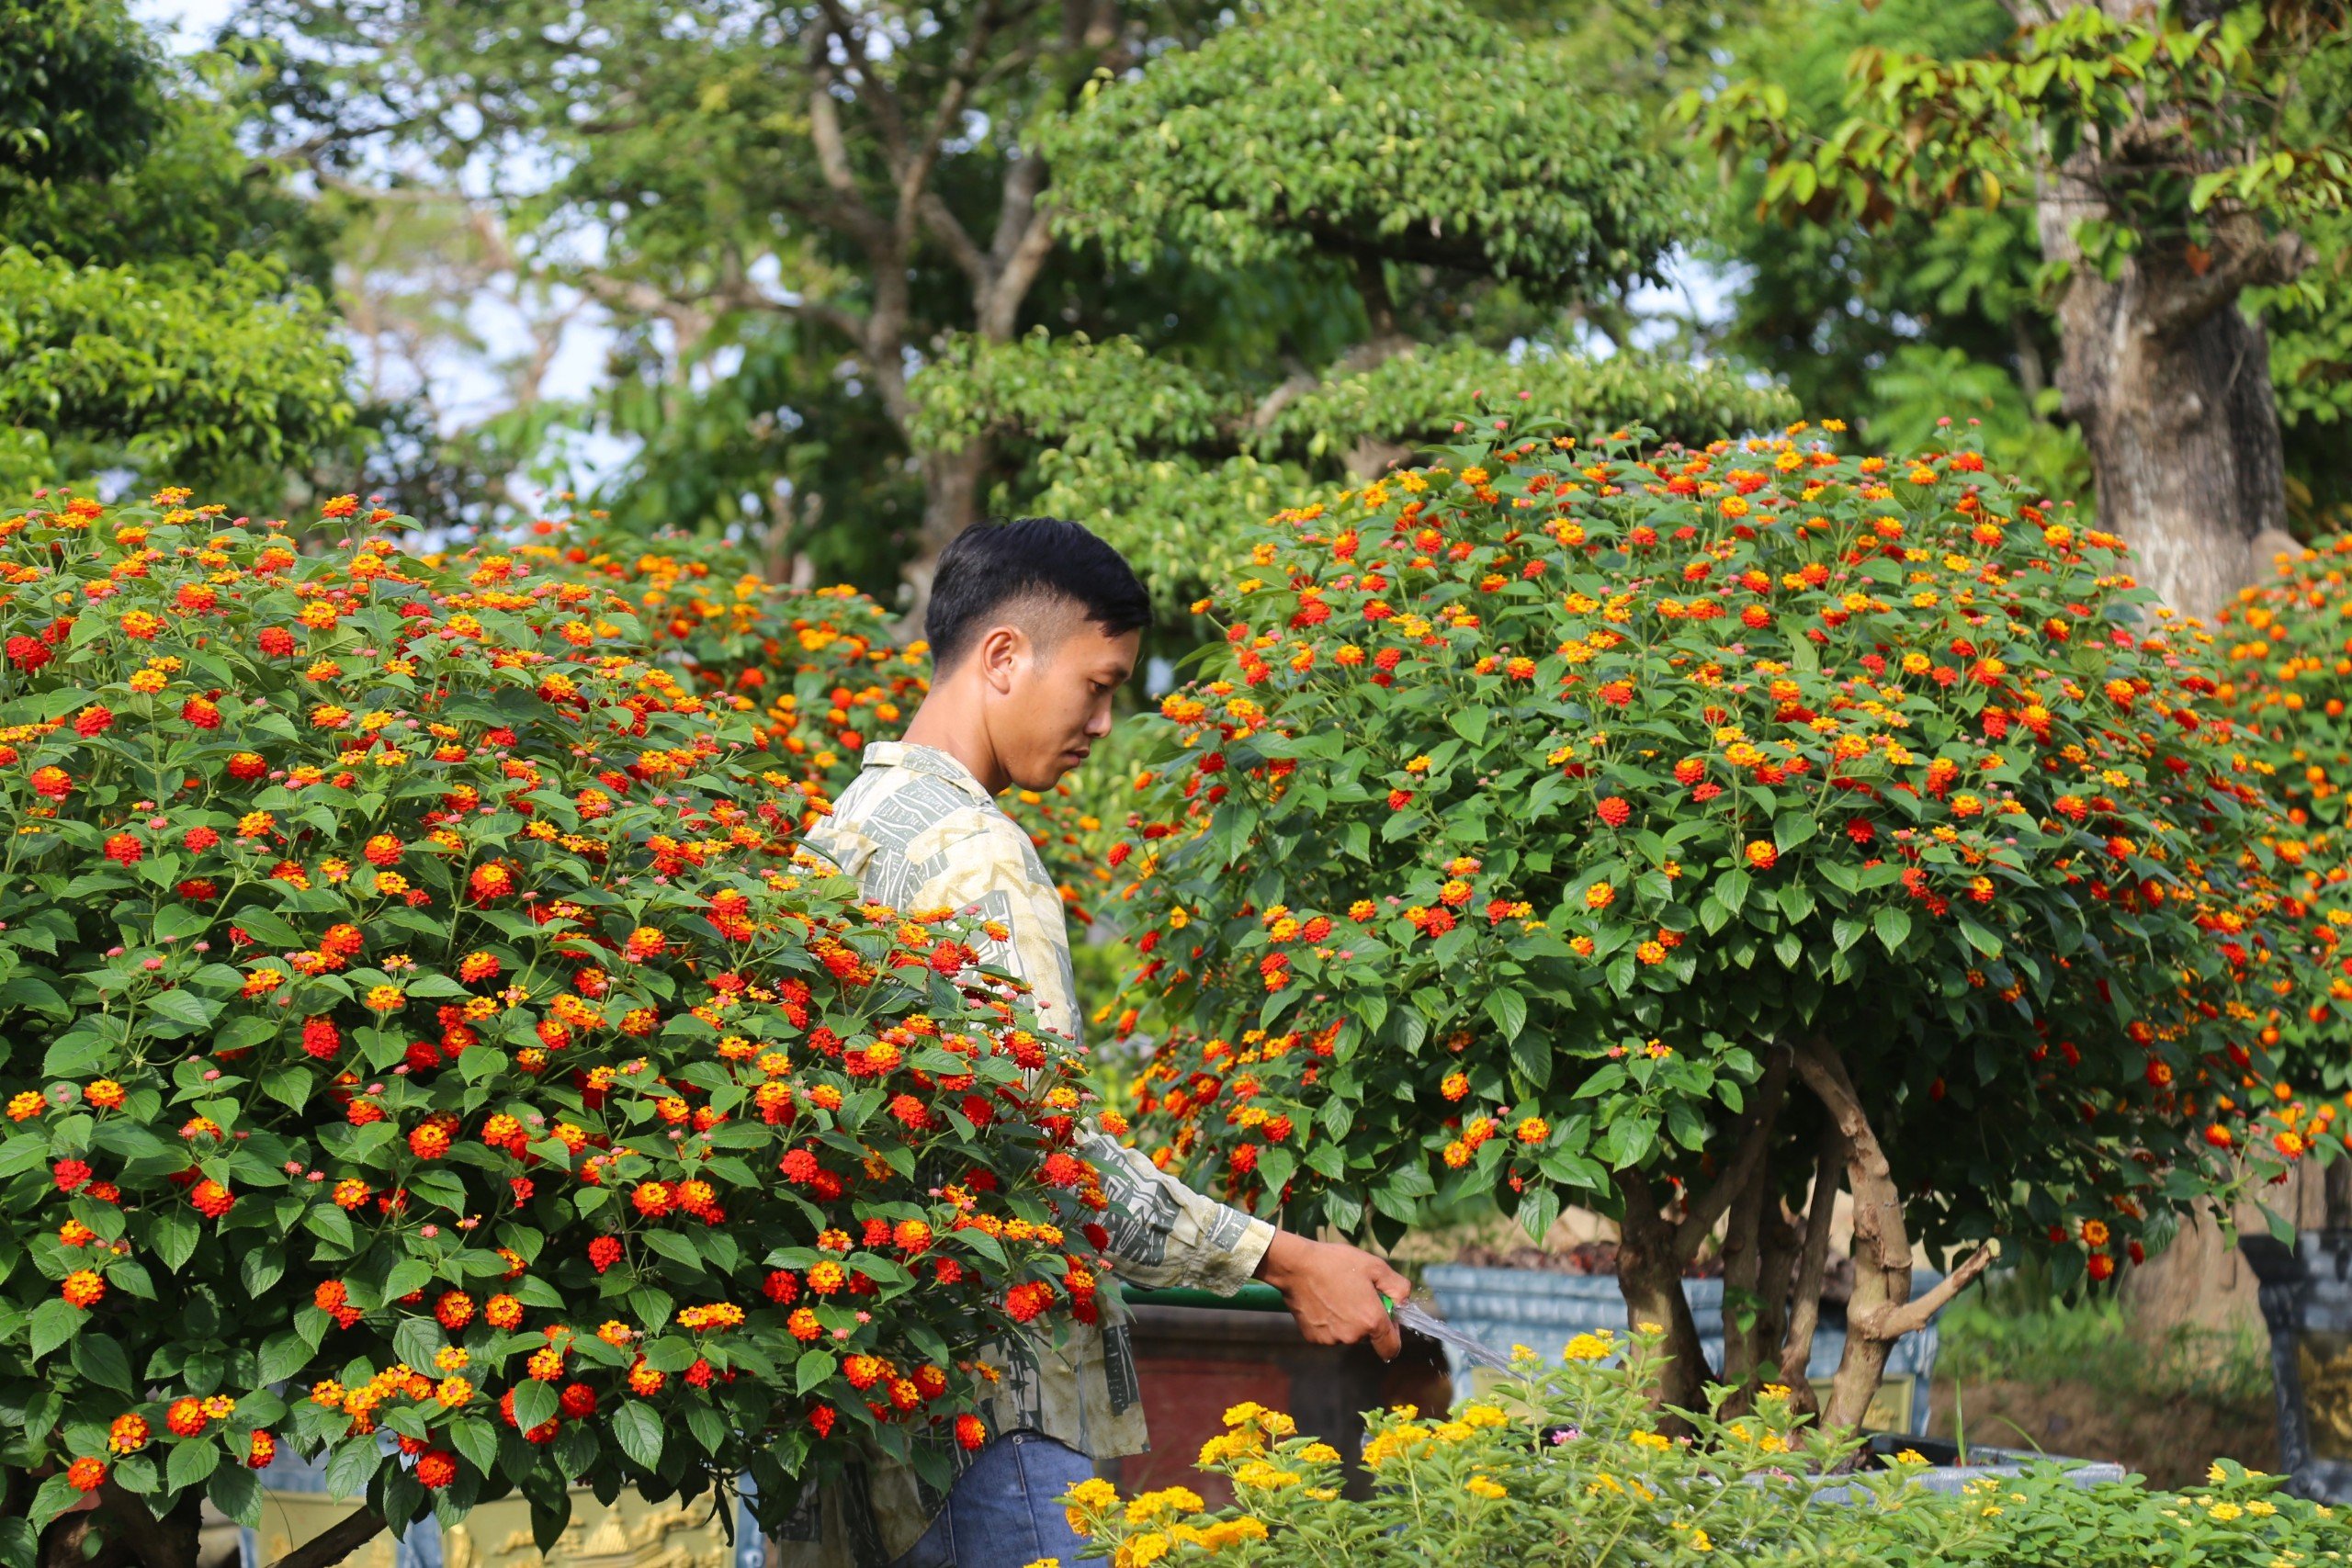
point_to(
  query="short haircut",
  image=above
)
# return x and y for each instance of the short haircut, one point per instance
(991, 565)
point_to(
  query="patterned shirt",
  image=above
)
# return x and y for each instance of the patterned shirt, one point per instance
(919, 832)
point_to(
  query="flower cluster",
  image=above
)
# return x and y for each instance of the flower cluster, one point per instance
(412, 990)
(1538, 799)
(1553, 1465)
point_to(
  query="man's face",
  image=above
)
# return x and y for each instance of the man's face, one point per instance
(1056, 702)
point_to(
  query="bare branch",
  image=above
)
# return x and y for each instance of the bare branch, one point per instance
(949, 231)
(341, 1539)
(2244, 261)
(1914, 1314)
(879, 100)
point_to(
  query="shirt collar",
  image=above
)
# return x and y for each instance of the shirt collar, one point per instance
(925, 760)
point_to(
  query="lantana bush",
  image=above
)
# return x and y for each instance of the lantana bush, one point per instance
(1679, 831)
(423, 1044)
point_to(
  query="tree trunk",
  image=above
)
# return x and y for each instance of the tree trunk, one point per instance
(2168, 379)
(1811, 1266)
(131, 1537)
(951, 503)
(1882, 1310)
(1649, 1276)
(2182, 428)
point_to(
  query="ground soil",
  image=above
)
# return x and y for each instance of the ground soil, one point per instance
(2169, 1441)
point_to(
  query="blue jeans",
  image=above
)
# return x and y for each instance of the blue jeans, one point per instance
(1001, 1513)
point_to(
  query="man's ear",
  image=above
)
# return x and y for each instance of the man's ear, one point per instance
(1001, 651)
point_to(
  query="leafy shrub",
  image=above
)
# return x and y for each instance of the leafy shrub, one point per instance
(1565, 1467)
(823, 673)
(415, 1019)
(2287, 659)
(1549, 815)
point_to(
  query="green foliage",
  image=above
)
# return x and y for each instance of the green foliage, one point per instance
(1168, 463)
(149, 313)
(211, 369)
(2286, 680)
(1922, 132)
(76, 90)
(1533, 800)
(1406, 130)
(416, 1019)
(1563, 1467)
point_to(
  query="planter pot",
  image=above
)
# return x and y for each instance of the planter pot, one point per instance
(1195, 1361)
(1504, 1307)
(2307, 1302)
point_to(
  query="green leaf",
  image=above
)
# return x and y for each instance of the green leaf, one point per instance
(1791, 829)
(266, 928)
(100, 1358)
(55, 1322)
(282, 1355)
(1892, 926)
(173, 1236)
(478, 1440)
(407, 1277)
(288, 1083)
(192, 1460)
(1469, 722)
(638, 1430)
(1983, 941)
(534, 1403)
(1509, 1010)
(56, 1494)
(236, 1491)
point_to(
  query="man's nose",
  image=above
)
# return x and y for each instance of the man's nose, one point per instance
(1098, 723)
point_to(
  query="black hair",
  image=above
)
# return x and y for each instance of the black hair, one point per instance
(990, 565)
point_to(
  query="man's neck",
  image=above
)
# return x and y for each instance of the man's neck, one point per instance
(953, 729)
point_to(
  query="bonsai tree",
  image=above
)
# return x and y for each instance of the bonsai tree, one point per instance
(1693, 833)
(2285, 681)
(417, 1023)
(1465, 187)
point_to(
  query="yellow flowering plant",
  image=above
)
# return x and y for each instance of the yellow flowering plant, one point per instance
(425, 1046)
(1677, 831)
(1565, 1466)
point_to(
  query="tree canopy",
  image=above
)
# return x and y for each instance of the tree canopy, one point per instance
(158, 307)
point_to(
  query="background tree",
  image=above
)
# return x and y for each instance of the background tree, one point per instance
(1471, 208)
(159, 304)
(2172, 163)
(711, 172)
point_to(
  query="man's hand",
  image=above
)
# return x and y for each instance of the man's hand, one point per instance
(1334, 1291)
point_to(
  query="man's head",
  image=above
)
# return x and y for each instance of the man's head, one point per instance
(1034, 624)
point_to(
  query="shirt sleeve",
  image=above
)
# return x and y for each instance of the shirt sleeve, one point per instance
(1162, 1233)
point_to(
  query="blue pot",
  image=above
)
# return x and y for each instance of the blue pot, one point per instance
(1504, 1307)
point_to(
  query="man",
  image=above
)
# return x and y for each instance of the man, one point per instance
(1033, 626)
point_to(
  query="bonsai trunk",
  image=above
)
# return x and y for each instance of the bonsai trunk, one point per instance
(120, 1532)
(1655, 1248)
(1649, 1275)
(1881, 1311)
